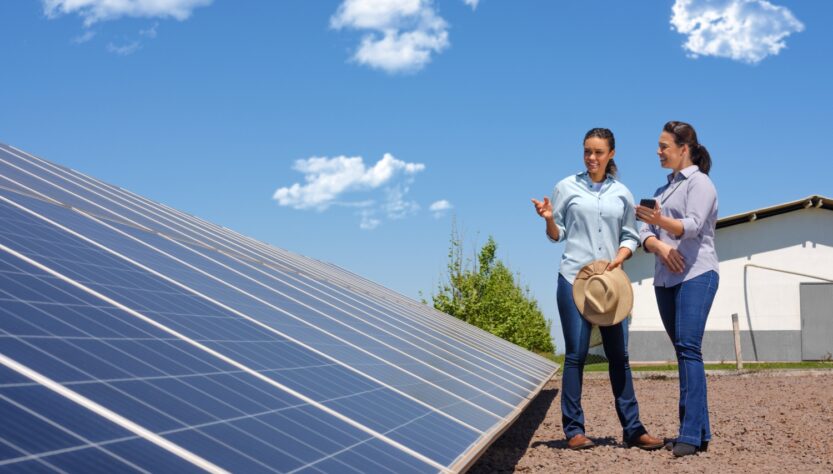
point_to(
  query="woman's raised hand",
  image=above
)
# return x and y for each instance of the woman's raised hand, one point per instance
(650, 216)
(543, 208)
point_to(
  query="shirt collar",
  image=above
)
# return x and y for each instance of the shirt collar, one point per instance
(685, 172)
(585, 176)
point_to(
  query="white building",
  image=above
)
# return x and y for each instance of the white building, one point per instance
(776, 273)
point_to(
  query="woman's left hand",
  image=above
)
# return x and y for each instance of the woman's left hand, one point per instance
(615, 263)
(648, 215)
(623, 254)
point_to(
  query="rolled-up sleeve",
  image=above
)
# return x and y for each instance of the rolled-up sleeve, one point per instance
(700, 198)
(645, 231)
(559, 205)
(628, 237)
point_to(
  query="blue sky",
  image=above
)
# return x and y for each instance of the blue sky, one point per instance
(368, 112)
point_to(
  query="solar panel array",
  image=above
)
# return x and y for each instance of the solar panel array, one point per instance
(135, 337)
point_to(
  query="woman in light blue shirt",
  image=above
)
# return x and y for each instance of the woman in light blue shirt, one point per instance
(679, 231)
(593, 213)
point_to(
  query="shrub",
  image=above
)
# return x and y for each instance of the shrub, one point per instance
(487, 295)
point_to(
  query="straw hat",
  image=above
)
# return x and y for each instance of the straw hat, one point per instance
(603, 297)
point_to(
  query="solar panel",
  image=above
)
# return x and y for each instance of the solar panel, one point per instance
(170, 343)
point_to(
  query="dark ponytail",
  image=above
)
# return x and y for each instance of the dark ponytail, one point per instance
(684, 134)
(611, 168)
(702, 159)
(605, 134)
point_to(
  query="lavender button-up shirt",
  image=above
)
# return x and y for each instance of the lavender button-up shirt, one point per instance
(691, 198)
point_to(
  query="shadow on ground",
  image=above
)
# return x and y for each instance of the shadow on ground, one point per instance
(562, 443)
(504, 454)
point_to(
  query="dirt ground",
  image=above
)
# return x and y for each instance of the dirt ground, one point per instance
(772, 422)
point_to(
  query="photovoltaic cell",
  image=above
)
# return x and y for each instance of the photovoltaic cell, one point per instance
(241, 354)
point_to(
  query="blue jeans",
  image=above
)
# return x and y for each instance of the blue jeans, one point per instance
(684, 309)
(576, 341)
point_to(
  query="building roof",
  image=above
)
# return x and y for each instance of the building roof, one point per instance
(816, 201)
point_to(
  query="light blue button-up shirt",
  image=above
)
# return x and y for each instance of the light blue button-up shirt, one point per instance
(594, 224)
(691, 197)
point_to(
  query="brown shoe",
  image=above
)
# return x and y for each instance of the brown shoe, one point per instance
(646, 442)
(579, 441)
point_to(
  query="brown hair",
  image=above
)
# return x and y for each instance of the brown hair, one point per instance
(684, 134)
(605, 134)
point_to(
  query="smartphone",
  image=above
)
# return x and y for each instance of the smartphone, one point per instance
(649, 203)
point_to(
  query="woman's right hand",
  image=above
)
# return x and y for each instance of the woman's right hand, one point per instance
(670, 256)
(543, 208)
(650, 216)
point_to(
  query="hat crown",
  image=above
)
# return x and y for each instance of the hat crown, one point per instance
(603, 297)
(601, 294)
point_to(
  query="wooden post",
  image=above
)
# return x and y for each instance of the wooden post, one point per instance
(736, 330)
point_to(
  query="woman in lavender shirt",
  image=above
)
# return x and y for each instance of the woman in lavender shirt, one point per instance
(679, 231)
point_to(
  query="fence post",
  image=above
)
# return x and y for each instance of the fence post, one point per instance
(736, 330)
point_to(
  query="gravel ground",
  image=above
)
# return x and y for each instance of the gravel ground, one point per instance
(760, 423)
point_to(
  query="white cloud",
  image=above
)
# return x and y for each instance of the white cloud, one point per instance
(743, 30)
(87, 36)
(439, 208)
(396, 206)
(377, 14)
(93, 11)
(368, 222)
(472, 3)
(150, 32)
(441, 205)
(125, 49)
(382, 188)
(129, 47)
(328, 179)
(356, 204)
(403, 34)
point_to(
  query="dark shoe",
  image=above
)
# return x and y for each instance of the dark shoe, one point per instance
(645, 441)
(579, 441)
(684, 449)
(669, 445)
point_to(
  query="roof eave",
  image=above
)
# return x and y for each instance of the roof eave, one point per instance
(819, 202)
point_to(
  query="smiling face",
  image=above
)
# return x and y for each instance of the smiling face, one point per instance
(672, 156)
(597, 154)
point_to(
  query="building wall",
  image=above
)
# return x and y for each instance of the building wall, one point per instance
(767, 302)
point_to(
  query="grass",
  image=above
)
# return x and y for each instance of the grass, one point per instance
(600, 365)
(557, 358)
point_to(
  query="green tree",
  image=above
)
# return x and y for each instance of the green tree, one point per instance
(487, 295)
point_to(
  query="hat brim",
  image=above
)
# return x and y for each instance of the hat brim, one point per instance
(622, 284)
